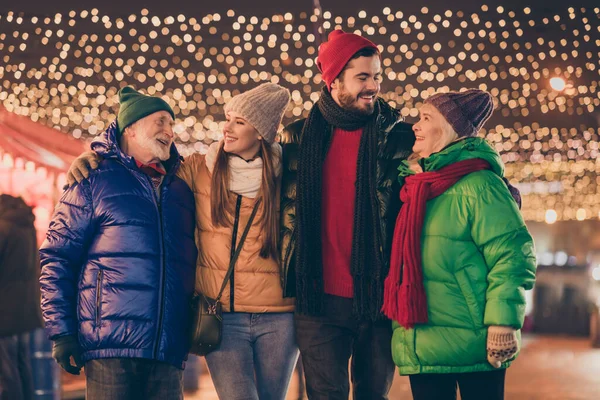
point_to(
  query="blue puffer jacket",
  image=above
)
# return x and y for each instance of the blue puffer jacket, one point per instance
(118, 265)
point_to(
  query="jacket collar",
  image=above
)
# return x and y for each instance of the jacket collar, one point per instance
(107, 145)
(388, 118)
(464, 149)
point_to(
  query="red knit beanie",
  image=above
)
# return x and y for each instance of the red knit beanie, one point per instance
(337, 51)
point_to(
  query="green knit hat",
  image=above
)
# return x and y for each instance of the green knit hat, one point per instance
(135, 106)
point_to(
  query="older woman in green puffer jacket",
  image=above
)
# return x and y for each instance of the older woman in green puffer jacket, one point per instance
(462, 257)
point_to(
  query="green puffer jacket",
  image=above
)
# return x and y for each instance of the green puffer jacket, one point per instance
(478, 260)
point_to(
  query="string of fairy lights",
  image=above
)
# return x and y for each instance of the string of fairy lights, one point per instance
(542, 68)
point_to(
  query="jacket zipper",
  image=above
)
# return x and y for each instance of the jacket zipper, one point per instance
(233, 244)
(161, 299)
(375, 198)
(98, 296)
(286, 260)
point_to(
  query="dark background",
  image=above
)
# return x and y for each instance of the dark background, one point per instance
(259, 7)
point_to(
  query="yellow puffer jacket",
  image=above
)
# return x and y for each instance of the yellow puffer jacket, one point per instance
(256, 281)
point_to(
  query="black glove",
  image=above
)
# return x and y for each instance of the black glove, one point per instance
(65, 347)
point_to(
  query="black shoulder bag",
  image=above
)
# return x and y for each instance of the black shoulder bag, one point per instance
(207, 318)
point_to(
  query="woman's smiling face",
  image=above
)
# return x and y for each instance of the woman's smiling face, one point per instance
(432, 132)
(240, 138)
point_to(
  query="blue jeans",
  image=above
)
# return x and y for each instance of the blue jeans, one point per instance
(132, 379)
(256, 358)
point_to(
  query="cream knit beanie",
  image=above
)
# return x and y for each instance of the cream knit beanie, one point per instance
(262, 107)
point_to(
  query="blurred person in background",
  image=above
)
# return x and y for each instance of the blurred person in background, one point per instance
(19, 297)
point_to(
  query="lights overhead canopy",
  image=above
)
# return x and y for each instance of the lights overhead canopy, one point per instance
(64, 70)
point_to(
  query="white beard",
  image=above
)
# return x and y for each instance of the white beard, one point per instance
(155, 148)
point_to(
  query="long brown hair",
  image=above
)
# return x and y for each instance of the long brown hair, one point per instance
(222, 207)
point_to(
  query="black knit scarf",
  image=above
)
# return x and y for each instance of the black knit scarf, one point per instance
(366, 265)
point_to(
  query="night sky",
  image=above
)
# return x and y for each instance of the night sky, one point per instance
(259, 7)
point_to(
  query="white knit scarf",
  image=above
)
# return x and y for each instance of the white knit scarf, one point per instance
(245, 176)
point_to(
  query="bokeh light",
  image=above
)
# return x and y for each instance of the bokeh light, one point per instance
(551, 216)
(558, 84)
(64, 71)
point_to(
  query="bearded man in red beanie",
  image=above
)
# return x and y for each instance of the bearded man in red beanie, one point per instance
(340, 202)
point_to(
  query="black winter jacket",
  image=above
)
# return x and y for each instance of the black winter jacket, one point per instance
(395, 143)
(19, 268)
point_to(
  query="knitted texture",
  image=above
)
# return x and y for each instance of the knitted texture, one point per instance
(339, 188)
(335, 53)
(405, 300)
(366, 263)
(135, 106)
(466, 111)
(502, 344)
(262, 107)
(245, 177)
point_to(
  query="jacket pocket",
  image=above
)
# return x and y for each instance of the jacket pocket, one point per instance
(399, 346)
(99, 296)
(464, 283)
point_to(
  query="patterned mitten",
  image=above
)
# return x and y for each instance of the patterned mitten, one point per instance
(502, 344)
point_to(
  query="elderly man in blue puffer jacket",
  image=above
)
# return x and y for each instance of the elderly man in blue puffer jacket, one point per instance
(119, 260)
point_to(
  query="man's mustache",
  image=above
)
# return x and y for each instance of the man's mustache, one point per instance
(370, 93)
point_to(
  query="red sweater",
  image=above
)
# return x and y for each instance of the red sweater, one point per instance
(337, 226)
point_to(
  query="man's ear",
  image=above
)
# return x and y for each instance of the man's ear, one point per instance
(335, 84)
(129, 131)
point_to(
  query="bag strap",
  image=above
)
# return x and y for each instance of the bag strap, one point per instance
(238, 250)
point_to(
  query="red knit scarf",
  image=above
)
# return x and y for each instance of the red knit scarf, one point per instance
(405, 300)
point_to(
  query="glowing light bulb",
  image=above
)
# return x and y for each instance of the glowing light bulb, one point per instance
(558, 84)
(551, 216)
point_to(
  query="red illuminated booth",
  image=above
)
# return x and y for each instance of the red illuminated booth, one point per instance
(33, 162)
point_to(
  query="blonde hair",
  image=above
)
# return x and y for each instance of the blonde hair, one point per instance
(449, 135)
(221, 204)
